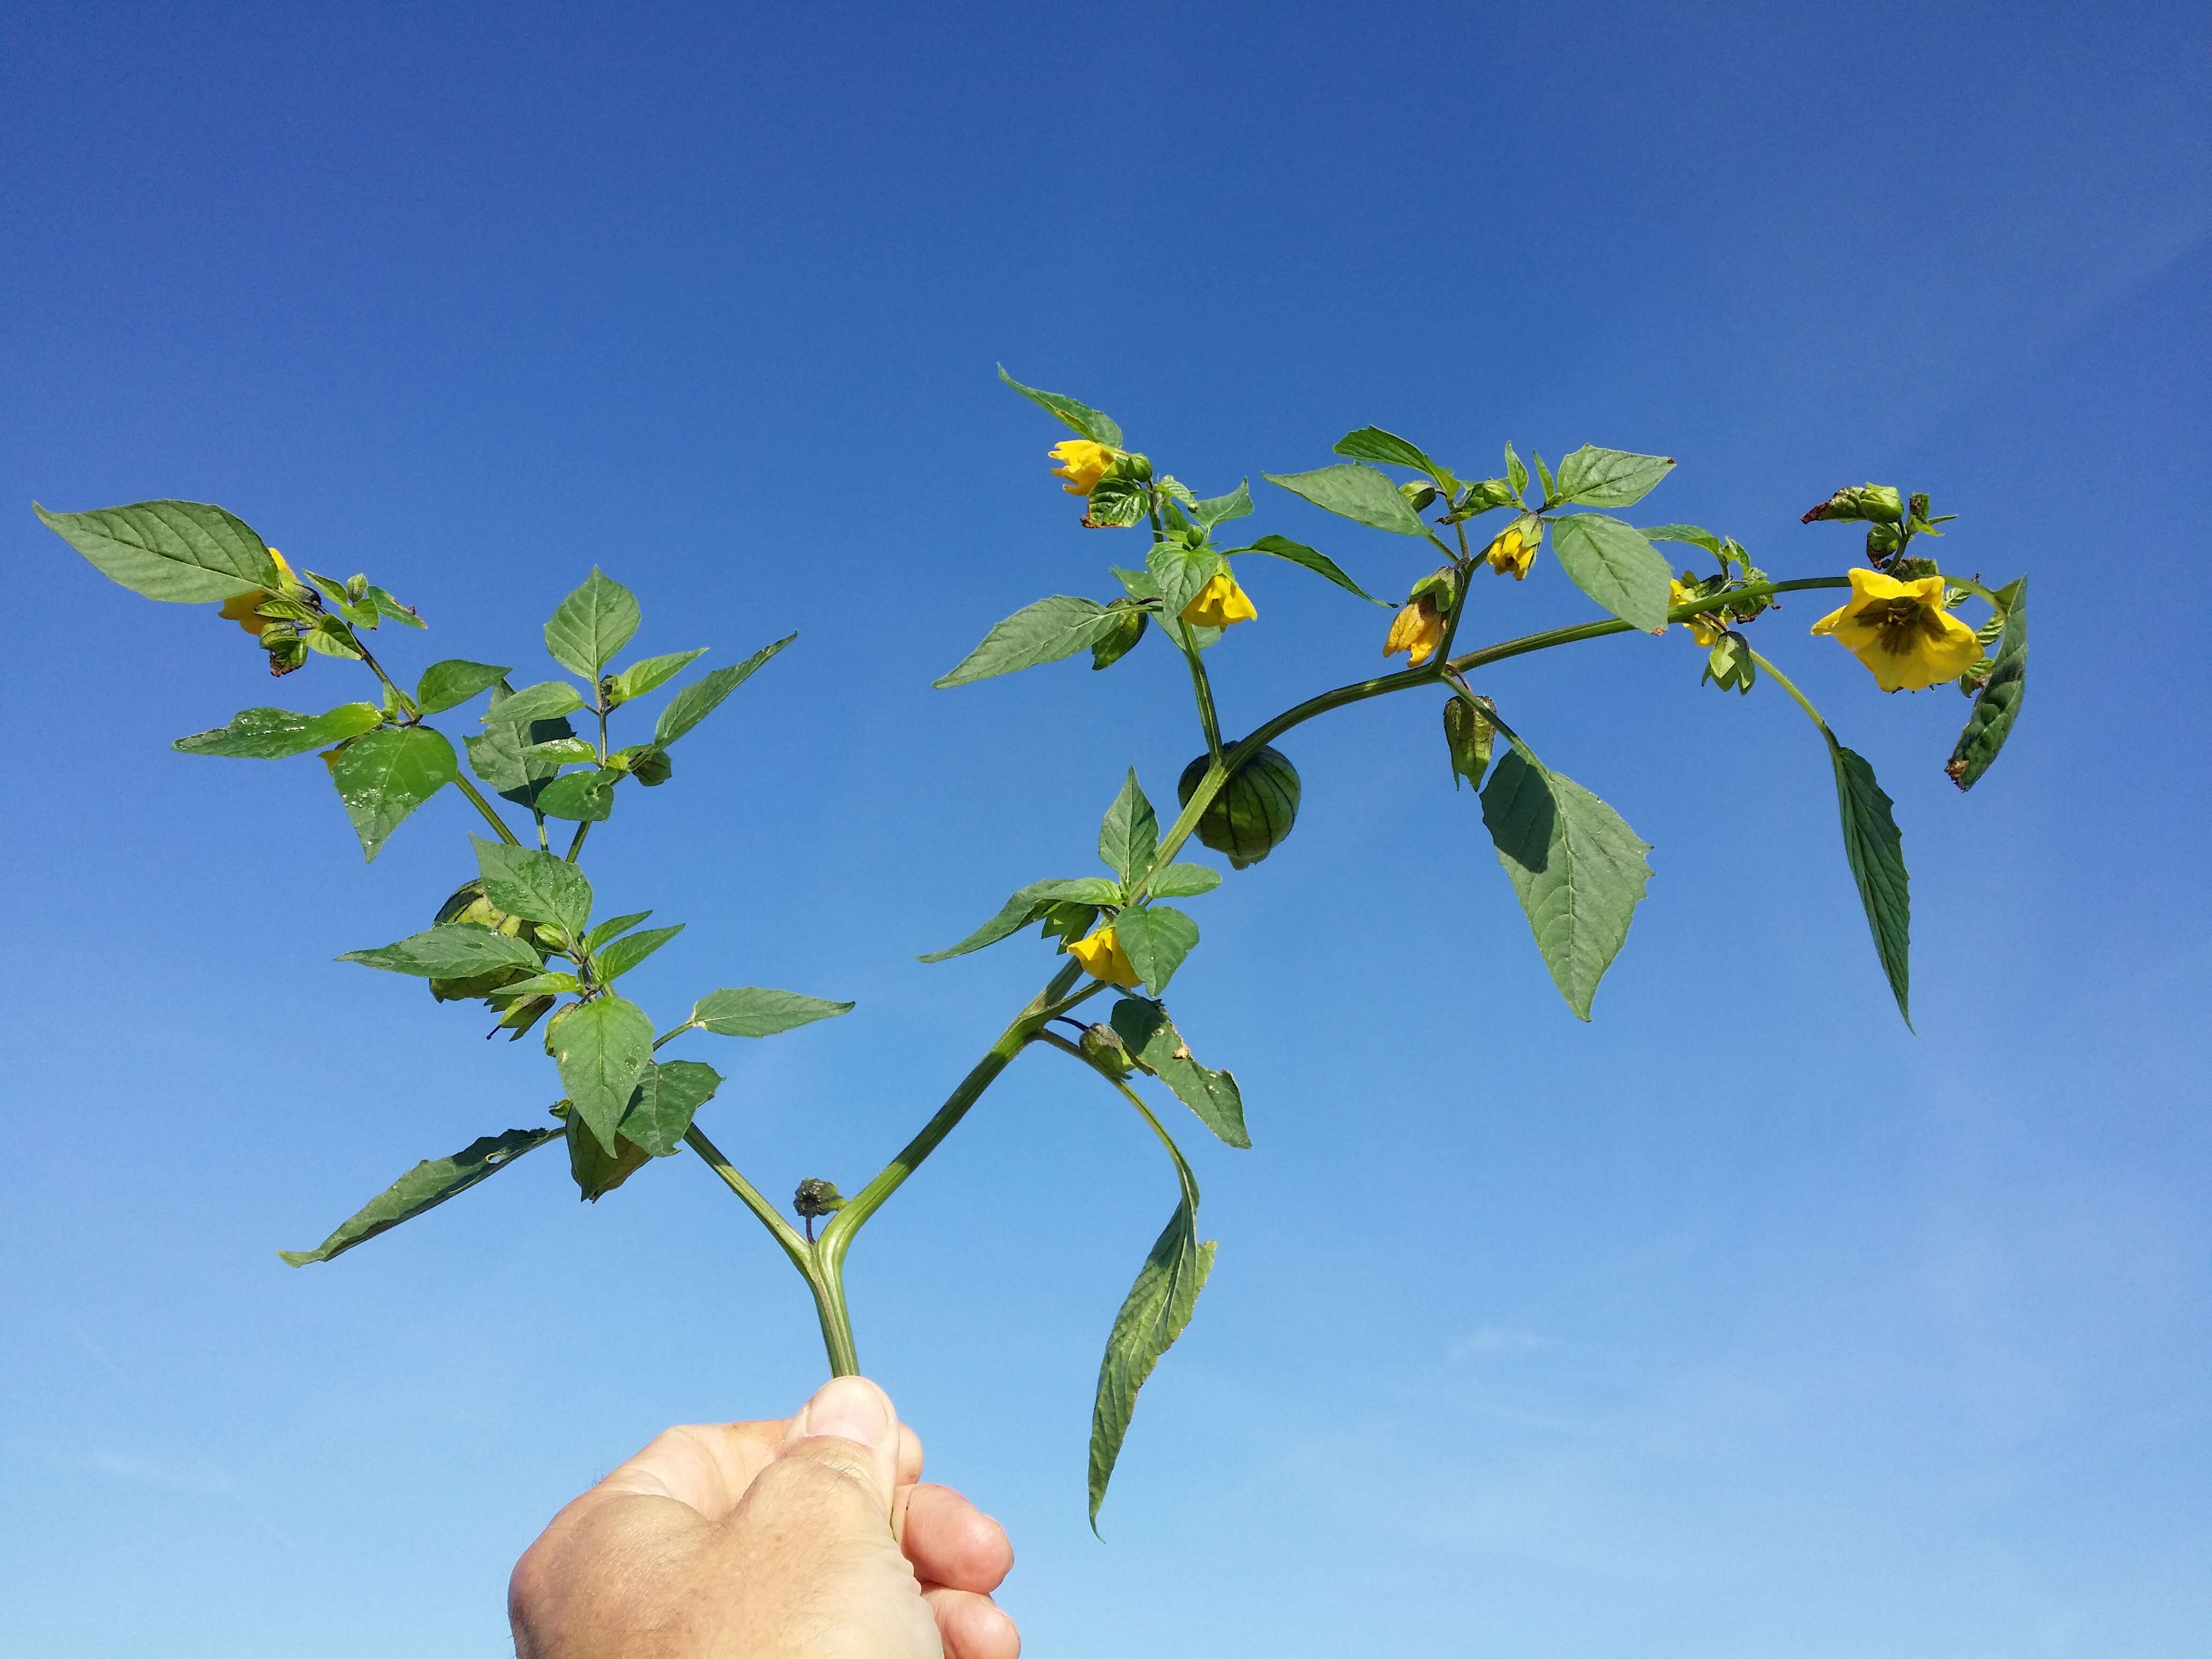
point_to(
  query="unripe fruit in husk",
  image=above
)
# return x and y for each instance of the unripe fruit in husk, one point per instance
(1255, 809)
(469, 904)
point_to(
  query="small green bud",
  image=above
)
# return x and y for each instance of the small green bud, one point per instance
(1128, 630)
(1468, 735)
(1876, 503)
(1132, 467)
(652, 768)
(1419, 494)
(1729, 665)
(815, 1198)
(357, 588)
(1484, 497)
(1102, 1046)
(1440, 587)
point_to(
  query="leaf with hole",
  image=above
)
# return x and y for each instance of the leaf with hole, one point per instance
(1145, 1030)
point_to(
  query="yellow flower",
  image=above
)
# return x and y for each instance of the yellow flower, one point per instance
(245, 609)
(1102, 957)
(1901, 631)
(1704, 627)
(1417, 630)
(1218, 603)
(1082, 463)
(1515, 550)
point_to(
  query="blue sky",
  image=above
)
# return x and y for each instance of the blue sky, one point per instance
(1738, 1322)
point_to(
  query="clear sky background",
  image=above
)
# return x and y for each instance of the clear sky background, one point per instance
(1737, 1322)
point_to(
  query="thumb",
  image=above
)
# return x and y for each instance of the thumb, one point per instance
(836, 1468)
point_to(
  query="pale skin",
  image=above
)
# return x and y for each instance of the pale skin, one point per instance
(809, 1537)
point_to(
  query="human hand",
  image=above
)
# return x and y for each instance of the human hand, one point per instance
(810, 1535)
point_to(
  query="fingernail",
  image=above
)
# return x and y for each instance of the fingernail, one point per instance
(848, 1408)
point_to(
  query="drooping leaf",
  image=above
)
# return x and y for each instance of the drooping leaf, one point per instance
(1151, 1035)
(601, 1048)
(277, 733)
(1372, 443)
(1355, 492)
(1184, 880)
(1578, 870)
(1610, 477)
(1044, 632)
(1220, 509)
(1155, 1313)
(450, 683)
(425, 1187)
(1997, 704)
(593, 622)
(580, 797)
(534, 886)
(1681, 532)
(537, 985)
(752, 1010)
(650, 673)
(1155, 939)
(1129, 834)
(187, 552)
(453, 950)
(383, 775)
(596, 1170)
(624, 954)
(694, 702)
(668, 1096)
(1321, 564)
(1027, 905)
(1099, 428)
(1613, 563)
(1875, 849)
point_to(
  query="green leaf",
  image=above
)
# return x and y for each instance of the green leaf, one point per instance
(614, 925)
(537, 985)
(1610, 477)
(694, 702)
(1157, 1309)
(1179, 571)
(1027, 905)
(1613, 563)
(1151, 1035)
(391, 610)
(1184, 880)
(1578, 870)
(625, 954)
(596, 1170)
(1875, 849)
(752, 1011)
(1997, 704)
(1372, 443)
(383, 775)
(425, 1187)
(668, 1096)
(562, 751)
(1321, 564)
(1682, 533)
(1155, 939)
(276, 733)
(1116, 503)
(601, 1048)
(188, 552)
(1517, 471)
(593, 622)
(580, 797)
(1551, 489)
(1099, 428)
(547, 699)
(1129, 834)
(450, 683)
(650, 673)
(453, 949)
(1355, 492)
(1220, 509)
(502, 758)
(534, 886)
(1044, 632)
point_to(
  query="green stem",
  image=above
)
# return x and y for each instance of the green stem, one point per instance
(577, 845)
(1119, 1082)
(1803, 701)
(821, 1277)
(484, 807)
(1202, 687)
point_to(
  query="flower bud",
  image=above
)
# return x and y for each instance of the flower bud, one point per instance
(1877, 503)
(1419, 494)
(1103, 1046)
(1482, 497)
(1253, 810)
(1128, 628)
(1132, 467)
(815, 1198)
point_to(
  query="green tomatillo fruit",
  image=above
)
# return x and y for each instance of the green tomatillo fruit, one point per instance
(1255, 809)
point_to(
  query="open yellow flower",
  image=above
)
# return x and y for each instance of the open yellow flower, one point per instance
(1417, 630)
(1704, 627)
(1901, 631)
(1218, 603)
(1515, 550)
(245, 609)
(1102, 957)
(1082, 463)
